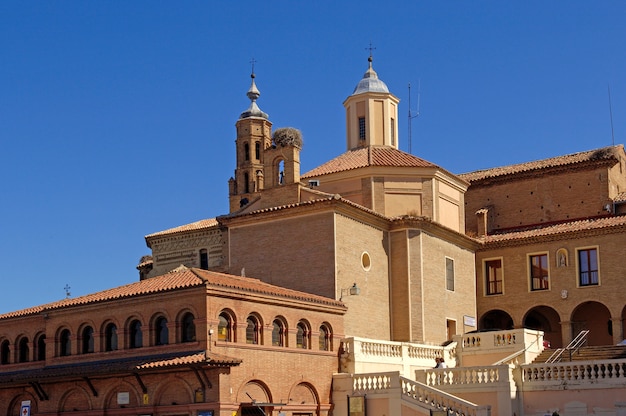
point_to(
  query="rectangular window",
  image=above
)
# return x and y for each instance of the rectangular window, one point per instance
(539, 274)
(361, 128)
(449, 274)
(393, 132)
(588, 267)
(493, 277)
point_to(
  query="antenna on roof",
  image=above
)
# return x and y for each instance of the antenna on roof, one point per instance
(611, 114)
(413, 115)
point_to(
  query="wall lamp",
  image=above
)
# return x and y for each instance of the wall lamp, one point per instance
(353, 290)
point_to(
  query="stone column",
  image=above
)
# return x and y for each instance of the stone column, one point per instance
(618, 329)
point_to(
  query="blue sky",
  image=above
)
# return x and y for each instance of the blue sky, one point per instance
(117, 118)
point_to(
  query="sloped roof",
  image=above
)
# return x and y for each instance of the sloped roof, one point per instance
(163, 283)
(180, 278)
(252, 285)
(602, 154)
(198, 225)
(113, 367)
(362, 157)
(582, 225)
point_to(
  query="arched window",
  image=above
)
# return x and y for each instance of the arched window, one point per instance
(253, 330)
(5, 352)
(326, 336)
(257, 150)
(161, 334)
(65, 343)
(278, 333)
(40, 348)
(135, 336)
(87, 340)
(23, 350)
(204, 259)
(110, 337)
(246, 151)
(303, 335)
(188, 328)
(281, 172)
(225, 328)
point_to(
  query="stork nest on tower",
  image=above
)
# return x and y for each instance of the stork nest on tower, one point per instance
(287, 136)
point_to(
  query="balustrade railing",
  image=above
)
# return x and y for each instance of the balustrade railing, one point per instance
(575, 372)
(382, 383)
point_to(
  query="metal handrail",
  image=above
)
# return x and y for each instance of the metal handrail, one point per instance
(574, 346)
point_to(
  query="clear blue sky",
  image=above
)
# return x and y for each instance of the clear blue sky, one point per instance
(117, 118)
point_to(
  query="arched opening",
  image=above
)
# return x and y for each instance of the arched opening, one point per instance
(5, 352)
(225, 327)
(188, 328)
(246, 151)
(65, 343)
(23, 351)
(303, 335)
(135, 335)
(253, 330)
(40, 347)
(110, 337)
(496, 319)
(279, 331)
(252, 399)
(161, 333)
(325, 337)
(546, 319)
(596, 318)
(257, 150)
(87, 345)
(280, 168)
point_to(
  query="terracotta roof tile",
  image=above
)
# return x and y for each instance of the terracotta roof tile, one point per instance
(252, 285)
(605, 154)
(157, 284)
(179, 278)
(369, 156)
(185, 360)
(556, 229)
(198, 225)
(118, 366)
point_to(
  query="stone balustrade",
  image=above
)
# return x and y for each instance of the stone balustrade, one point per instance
(574, 374)
(362, 355)
(371, 385)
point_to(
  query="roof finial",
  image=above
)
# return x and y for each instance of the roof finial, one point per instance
(370, 48)
(253, 94)
(252, 61)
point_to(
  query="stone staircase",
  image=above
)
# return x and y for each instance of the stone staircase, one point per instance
(603, 352)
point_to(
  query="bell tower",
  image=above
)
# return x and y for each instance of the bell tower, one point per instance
(253, 137)
(371, 113)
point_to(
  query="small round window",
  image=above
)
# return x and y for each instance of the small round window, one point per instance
(366, 261)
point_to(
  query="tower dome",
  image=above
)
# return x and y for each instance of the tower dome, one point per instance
(370, 82)
(254, 110)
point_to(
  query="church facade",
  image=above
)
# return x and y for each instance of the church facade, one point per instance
(376, 243)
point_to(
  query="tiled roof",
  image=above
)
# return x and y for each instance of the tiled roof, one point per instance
(590, 224)
(252, 285)
(113, 367)
(180, 278)
(198, 225)
(602, 154)
(166, 282)
(369, 156)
